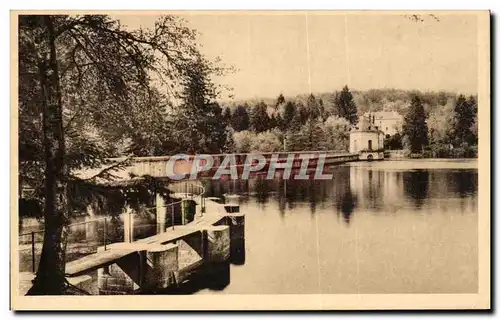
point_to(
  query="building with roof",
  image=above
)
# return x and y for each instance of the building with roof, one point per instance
(390, 122)
(367, 139)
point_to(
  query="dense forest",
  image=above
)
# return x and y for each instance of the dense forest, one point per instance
(436, 124)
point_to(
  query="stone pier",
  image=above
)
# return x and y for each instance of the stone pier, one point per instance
(156, 266)
(236, 222)
(161, 214)
(209, 242)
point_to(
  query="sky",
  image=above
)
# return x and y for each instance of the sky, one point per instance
(299, 53)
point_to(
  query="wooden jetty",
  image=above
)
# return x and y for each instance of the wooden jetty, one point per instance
(167, 258)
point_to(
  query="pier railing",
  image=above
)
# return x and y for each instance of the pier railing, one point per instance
(85, 237)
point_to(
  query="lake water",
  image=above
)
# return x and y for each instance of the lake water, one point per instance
(379, 227)
(376, 227)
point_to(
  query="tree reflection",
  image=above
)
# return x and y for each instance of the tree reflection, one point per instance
(312, 196)
(262, 189)
(416, 186)
(346, 205)
(463, 182)
(282, 191)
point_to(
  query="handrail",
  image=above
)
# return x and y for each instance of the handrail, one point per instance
(98, 219)
(201, 191)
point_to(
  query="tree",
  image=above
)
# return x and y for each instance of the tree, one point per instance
(230, 146)
(440, 123)
(336, 133)
(473, 105)
(260, 118)
(84, 67)
(279, 101)
(345, 106)
(240, 120)
(226, 116)
(288, 114)
(199, 125)
(243, 141)
(273, 122)
(280, 123)
(312, 135)
(294, 138)
(415, 126)
(266, 141)
(313, 107)
(465, 112)
(302, 113)
(393, 142)
(322, 110)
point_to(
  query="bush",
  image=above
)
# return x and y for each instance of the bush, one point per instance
(266, 141)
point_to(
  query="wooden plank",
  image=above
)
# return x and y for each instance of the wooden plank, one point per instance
(95, 261)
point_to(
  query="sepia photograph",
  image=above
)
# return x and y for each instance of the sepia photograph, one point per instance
(250, 160)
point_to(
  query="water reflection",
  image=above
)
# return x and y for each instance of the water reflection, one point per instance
(346, 205)
(399, 215)
(356, 188)
(416, 186)
(463, 182)
(213, 276)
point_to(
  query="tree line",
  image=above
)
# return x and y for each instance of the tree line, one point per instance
(436, 124)
(292, 125)
(450, 130)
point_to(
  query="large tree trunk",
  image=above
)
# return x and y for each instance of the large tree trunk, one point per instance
(50, 279)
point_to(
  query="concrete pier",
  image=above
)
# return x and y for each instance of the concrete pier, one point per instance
(236, 222)
(217, 243)
(128, 224)
(203, 247)
(164, 263)
(161, 214)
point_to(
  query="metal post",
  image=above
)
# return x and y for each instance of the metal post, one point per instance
(131, 227)
(202, 205)
(173, 217)
(105, 232)
(33, 251)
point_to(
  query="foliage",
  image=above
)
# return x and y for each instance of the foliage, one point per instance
(336, 133)
(198, 125)
(226, 116)
(344, 105)
(243, 141)
(230, 146)
(415, 126)
(465, 112)
(267, 141)
(312, 135)
(259, 119)
(89, 89)
(288, 115)
(394, 142)
(240, 119)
